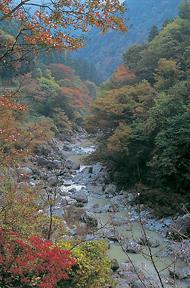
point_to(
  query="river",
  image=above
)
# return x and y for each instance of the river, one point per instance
(127, 230)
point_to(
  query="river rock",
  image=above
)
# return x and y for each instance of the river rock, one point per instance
(95, 188)
(180, 273)
(70, 164)
(110, 189)
(67, 200)
(114, 265)
(131, 246)
(25, 171)
(49, 164)
(80, 196)
(110, 234)
(147, 241)
(181, 227)
(120, 220)
(90, 219)
(52, 180)
(97, 168)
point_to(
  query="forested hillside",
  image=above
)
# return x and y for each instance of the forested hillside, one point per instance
(105, 51)
(94, 181)
(143, 114)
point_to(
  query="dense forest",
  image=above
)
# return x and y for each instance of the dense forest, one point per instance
(94, 176)
(143, 114)
(139, 23)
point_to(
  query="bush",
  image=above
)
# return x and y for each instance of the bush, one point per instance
(93, 265)
(33, 262)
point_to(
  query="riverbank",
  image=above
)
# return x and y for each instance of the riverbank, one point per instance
(93, 208)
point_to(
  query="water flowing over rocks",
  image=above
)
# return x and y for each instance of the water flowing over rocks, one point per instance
(94, 208)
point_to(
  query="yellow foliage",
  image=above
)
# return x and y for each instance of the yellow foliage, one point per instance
(119, 139)
(93, 265)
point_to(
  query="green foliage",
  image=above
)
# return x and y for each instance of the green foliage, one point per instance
(153, 33)
(184, 11)
(145, 125)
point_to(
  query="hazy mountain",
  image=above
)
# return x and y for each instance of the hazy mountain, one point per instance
(105, 51)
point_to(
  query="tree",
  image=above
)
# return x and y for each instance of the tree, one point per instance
(153, 33)
(41, 24)
(33, 262)
(184, 11)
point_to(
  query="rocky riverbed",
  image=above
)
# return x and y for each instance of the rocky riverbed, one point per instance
(94, 208)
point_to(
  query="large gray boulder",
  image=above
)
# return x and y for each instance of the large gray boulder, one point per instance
(70, 164)
(90, 219)
(131, 246)
(52, 181)
(80, 196)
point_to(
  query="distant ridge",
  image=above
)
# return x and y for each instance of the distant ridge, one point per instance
(106, 51)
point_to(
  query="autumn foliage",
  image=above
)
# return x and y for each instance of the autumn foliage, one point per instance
(50, 25)
(33, 262)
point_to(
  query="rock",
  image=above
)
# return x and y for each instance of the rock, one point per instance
(90, 219)
(52, 180)
(57, 164)
(110, 189)
(47, 163)
(80, 196)
(44, 150)
(95, 188)
(73, 232)
(181, 228)
(131, 246)
(146, 241)
(68, 182)
(110, 234)
(72, 190)
(66, 200)
(97, 168)
(122, 283)
(180, 273)
(70, 164)
(67, 147)
(114, 265)
(120, 220)
(25, 171)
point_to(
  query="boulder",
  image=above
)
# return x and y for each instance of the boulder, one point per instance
(97, 168)
(180, 273)
(90, 219)
(49, 164)
(181, 227)
(147, 241)
(70, 164)
(110, 189)
(80, 196)
(122, 283)
(25, 171)
(52, 181)
(66, 200)
(114, 265)
(131, 246)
